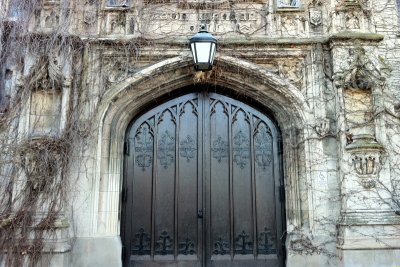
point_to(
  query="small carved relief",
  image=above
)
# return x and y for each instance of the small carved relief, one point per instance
(89, 14)
(166, 149)
(289, 25)
(366, 159)
(46, 74)
(141, 243)
(362, 73)
(144, 147)
(266, 242)
(116, 23)
(291, 70)
(367, 166)
(187, 247)
(322, 126)
(242, 246)
(352, 20)
(221, 247)
(263, 147)
(51, 20)
(241, 149)
(316, 20)
(219, 149)
(188, 148)
(164, 244)
(315, 17)
(117, 69)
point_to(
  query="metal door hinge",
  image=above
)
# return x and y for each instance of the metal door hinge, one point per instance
(282, 193)
(126, 147)
(123, 254)
(124, 194)
(200, 214)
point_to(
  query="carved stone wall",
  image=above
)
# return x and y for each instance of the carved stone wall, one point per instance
(328, 71)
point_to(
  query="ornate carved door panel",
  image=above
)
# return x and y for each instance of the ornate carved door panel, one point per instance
(201, 188)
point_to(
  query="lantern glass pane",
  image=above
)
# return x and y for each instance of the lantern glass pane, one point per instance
(193, 48)
(212, 53)
(203, 52)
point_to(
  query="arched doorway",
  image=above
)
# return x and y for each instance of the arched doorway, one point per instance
(203, 185)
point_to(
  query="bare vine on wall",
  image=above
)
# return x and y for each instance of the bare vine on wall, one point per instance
(41, 59)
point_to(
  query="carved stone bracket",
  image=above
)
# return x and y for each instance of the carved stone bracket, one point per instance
(366, 159)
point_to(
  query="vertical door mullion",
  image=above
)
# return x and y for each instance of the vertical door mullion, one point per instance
(176, 180)
(154, 186)
(231, 204)
(202, 176)
(253, 185)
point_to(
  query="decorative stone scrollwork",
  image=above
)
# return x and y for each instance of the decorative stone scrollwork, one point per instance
(366, 159)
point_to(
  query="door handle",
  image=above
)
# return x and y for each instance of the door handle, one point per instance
(200, 214)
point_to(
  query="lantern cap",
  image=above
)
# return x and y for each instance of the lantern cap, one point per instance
(203, 36)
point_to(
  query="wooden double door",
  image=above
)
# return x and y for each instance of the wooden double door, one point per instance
(202, 186)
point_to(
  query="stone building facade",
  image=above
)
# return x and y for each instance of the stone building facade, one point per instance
(324, 72)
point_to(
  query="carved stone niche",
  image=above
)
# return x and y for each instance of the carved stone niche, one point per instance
(366, 159)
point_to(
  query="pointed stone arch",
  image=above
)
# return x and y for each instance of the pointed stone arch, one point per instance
(125, 100)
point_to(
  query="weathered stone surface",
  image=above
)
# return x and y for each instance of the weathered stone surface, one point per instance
(329, 72)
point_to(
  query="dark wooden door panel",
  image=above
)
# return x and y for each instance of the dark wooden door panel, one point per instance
(242, 186)
(202, 179)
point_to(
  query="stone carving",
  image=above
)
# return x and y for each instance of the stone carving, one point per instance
(117, 69)
(291, 70)
(89, 13)
(366, 159)
(352, 20)
(367, 166)
(116, 23)
(316, 18)
(361, 74)
(322, 126)
(51, 20)
(46, 74)
(289, 25)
